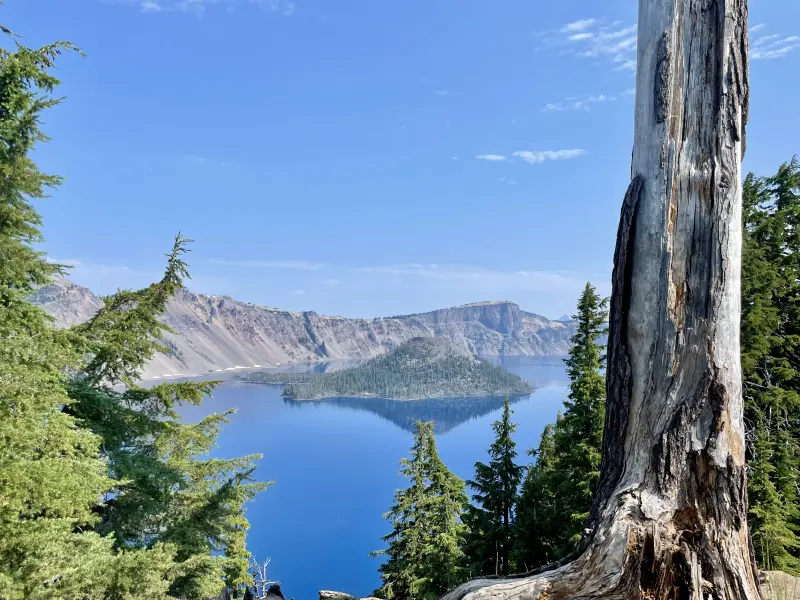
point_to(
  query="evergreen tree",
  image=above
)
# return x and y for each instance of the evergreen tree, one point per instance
(424, 554)
(51, 473)
(491, 517)
(537, 515)
(446, 501)
(771, 362)
(163, 493)
(579, 435)
(102, 493)
(557, 495)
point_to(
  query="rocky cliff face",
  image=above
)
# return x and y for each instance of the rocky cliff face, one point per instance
(217, 333)
(67, 302)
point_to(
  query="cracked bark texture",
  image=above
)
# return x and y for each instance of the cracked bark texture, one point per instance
(669, 519)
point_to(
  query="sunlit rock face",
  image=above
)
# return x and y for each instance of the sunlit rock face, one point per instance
(218, 333)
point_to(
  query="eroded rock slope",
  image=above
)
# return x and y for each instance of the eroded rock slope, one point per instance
(219, 333)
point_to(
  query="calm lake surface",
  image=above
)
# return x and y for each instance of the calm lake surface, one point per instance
(335, 463)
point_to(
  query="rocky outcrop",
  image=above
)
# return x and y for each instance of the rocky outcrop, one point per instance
(777, 585)
(218, 333)
(329, 595)
(67, 302)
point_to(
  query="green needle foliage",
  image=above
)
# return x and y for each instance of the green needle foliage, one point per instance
(771, 362)
(557, 495)
(490, 518)
(424, 555)
(51, 473)
(579, 435)
(165, 492)
(538, 515)
(104, 492)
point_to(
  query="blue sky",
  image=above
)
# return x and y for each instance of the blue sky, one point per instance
(358, 157)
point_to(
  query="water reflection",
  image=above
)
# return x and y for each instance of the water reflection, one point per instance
(446, 413)
(336, 466)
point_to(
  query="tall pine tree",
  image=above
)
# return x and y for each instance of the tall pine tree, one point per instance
(102, 490)
(164, 492)
(424, 554)
(538, 518)
(51, 473)
(771, 362)
(490, 518)
(557, 495)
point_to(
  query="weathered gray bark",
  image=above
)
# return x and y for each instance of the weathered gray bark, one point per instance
(670, 513)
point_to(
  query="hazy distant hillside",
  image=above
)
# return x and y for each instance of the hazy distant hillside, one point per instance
(218, 333)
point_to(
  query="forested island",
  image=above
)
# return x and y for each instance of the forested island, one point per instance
(417, 369)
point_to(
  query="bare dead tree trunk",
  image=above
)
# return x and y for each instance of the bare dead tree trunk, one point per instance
(670, 513)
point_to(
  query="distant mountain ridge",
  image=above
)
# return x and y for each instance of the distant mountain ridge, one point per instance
(215, 333)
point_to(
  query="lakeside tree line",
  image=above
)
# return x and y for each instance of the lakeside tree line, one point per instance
(519, 517)
(525, 516)
(418, 368)
(104, 492)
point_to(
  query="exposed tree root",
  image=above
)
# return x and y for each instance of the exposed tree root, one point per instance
(635, 558)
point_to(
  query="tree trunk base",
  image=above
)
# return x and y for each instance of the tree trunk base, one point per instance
(631, 556)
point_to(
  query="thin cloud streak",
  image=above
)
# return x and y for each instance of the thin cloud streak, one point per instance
(535, 158)
(200, 7)
(478, 276)
(472, 275)
(491, 157)
(584, 103)
(68, 262)
(773, 46)
(578, 25)
(589, 38)
(297, 265)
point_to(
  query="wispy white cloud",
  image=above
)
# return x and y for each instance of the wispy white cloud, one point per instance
(591, 38)
(69, 262)
(442, 92)
(577, 103)
(297, 265)
(758, 27)
(481, 279)
(199, 7)
(770, 47)
(581, 25)
(406, 287)
(105, 278)
(151, 6)
(536, 157)
(90, 267)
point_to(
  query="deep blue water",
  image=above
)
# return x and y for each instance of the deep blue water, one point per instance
(335, 463)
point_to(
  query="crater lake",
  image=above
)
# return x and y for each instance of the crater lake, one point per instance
(335, 466)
